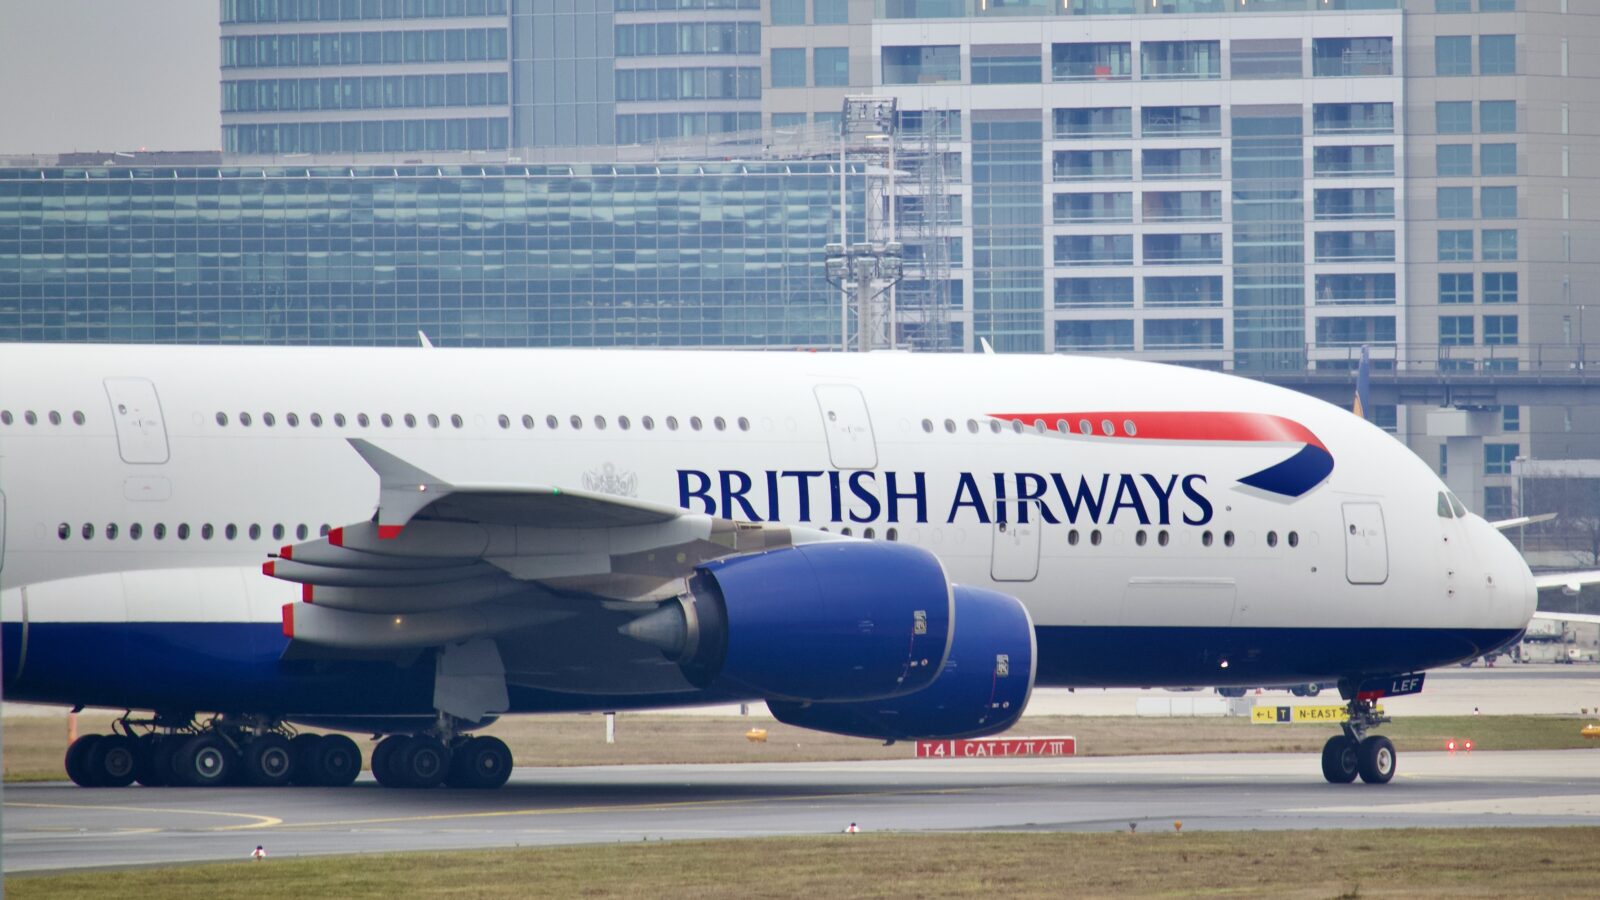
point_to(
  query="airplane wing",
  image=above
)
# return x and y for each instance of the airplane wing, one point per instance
(443, 562)
(1583, 618)
(1570, 583)
(1504, 524)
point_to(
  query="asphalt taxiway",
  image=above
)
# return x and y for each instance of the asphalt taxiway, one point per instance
(57, 826)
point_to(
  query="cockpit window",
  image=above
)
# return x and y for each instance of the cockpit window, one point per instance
(1455, 504)
(1444, 506)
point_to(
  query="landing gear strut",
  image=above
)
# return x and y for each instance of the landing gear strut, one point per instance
(1355, 752)
(441, 755)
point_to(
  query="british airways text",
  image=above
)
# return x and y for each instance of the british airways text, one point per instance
(866, 496)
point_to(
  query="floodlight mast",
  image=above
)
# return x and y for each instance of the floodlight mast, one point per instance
(866, 269)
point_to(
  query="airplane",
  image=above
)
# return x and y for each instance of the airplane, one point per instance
(240, 542)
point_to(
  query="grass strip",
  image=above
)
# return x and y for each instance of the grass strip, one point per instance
(1463, 862)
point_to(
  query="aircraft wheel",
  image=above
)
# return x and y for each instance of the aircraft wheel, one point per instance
(1377, 760)
(78, 760)
(112, 761)
(421, 762)
(268, 761)
(204, 760)
(1312, 689)
(383, 761)
(481, 763)
(1340, 759)
(1231, 691)
(303, 751)
(151, 767)
(337, 761)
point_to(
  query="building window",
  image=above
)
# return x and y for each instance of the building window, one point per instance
(1354, 203)
(1161, 121)
(1186, 162)
(1444, 460)
(1497, 458)
(1257, 59)
(1453, 117)
(1452, 6)
(1499, 330)
(1353, 118)
(1500, 287)
(1497, 116)
(1092, 165)
(1456, 331)
(1183, 291)
(830, 12)
(1370, 287)
(1455, 203)
(1455, 246)
(1093, 293)
(1452, 55)
(788, 12)
(1095, 334)
(1455, 287)
(1182, 206)
(1182, 249)
(1091, 62)
(1006, 64)
(1183, 334)
(1499, 202)
(1343, 57)
(1353, 331)
(1355, 246)
(789, 67)
(920, 65)
(1453, 160)
(1336, 162)
(1180, 59)
(788, 120)
(830, 66)
(1499, 243)
(1497, 5)
(1497, 54)
(1094, 122)
(1498, 159)
(1069, 208)
(1497, 502)
(1094, 250)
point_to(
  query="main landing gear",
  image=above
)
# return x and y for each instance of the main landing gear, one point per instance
(175, 751)
(1357, 753)
(441, 755)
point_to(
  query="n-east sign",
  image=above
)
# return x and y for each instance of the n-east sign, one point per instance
(992, 747)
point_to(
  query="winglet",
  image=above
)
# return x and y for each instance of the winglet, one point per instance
(1504, 524)
(423, 337)
(403, 489)
(988, 349)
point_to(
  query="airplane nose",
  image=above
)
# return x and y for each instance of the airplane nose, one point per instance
(1516, 596)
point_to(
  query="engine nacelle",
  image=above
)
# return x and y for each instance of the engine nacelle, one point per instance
(847, 620)
(982, 690)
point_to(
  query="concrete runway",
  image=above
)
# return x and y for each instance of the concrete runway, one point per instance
(57, 826)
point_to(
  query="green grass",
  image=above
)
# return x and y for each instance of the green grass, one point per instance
(1487, 862)
(34, 744)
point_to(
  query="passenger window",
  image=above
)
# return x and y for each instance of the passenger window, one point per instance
(648, 423)
(206, 531)
(63, 531)
(505, 420)
(5, 417)
(456, 421)
(410, 420)
(277, 532)
(720, 423)
(231, 532)
(1205, 539)
(183, 531)
(550, 422)
(88, 531)
(624, 423)
(222, 419)
(30, 417)
(78, 417)
(338, 419)
(927, 425)
(744, 425)
(1072, 537)
(387, 420)
(1139, 537)
(135, 531)
(55, 417)
(362, 420)
(268, 419)
(433, 420)
(672, 423)
(244, 419)
(292, 420)
(316, 420)
(301, 532)
(1094, 537)
(255, 532)
(950, 426)
(576, 422)
(1227, 539)
(111, 531)
(1272, 539)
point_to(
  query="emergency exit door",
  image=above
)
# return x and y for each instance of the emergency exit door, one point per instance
(136, 412)
(1016, 547)
(1366, 548)
(848, 425)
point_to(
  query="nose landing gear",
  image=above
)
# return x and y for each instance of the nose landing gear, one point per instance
(1356, 753)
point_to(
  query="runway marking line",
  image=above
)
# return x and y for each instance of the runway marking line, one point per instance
(579, 810)
(259, 821)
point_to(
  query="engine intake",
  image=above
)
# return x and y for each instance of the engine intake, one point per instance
(834, 621)
(982, 689)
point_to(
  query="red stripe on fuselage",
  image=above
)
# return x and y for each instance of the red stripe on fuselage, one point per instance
(1177, 426)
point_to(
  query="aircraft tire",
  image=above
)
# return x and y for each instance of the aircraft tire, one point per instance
(1340, 760)
(1377, 760)
(336, 761)
(421, 762)
(480, 763)
(112, 761)
(383, 761)
(77, 760)
(268, 761)
(204, 760)
(303, 750)
(151, 768)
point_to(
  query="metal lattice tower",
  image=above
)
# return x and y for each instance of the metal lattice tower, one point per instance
(922, 302)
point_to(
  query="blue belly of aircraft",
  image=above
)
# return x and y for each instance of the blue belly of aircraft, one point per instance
(239, 667)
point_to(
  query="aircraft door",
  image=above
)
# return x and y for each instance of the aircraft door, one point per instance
(1016, 548)
(136, 411)
(1366, 549)
(848, 426)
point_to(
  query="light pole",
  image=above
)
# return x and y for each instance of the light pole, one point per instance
(866, 270)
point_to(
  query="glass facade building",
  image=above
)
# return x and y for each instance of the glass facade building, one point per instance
(691, 254)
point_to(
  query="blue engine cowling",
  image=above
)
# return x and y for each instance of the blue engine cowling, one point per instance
(982, 690)
(846, 620)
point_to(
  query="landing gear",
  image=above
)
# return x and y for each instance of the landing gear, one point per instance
(176, 751)
(483, 763)
(441, 756)
(1355, 752)
(101, 760)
